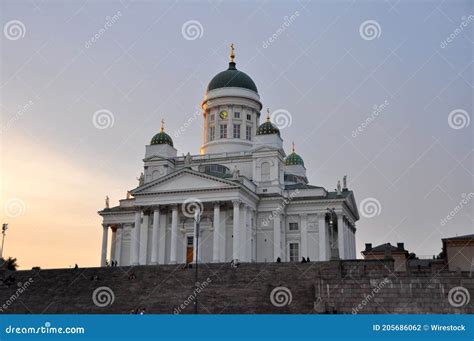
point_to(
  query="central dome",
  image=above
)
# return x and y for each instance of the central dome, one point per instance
(232, 78)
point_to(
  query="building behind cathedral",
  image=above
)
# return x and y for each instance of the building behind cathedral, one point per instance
(255, 201)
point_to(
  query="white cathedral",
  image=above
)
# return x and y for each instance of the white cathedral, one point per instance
(254, 201)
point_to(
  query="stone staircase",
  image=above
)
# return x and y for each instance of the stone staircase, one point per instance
(341, 287)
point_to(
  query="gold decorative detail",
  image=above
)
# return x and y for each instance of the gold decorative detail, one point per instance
(232, 53)
(162, 125)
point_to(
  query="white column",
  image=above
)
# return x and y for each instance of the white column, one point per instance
(155, 236)
(248, 233)
(113, 243)
(277, 236)
(223, 235)
(217, 233)
(341, 236)
(243, 235)
(236, 230)
(118, 244)
(105, 235)
(322, 237)
(197, 243)
(304, 235)
(254, 235)
(144, 239)
(162, 240)
(135, 239)
(174, 234)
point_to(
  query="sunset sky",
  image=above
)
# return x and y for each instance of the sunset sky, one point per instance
(413, 157)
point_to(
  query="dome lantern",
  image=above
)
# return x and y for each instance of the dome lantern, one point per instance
(294, 159)
(162, 137)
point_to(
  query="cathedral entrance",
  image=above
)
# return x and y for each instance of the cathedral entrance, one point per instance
(189, 249)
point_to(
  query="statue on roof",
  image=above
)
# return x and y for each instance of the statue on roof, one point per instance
(107, 202)
(187, 160)
(129, 195)
(141, 179)
(344, 182)
(338, 187)
(235, 173)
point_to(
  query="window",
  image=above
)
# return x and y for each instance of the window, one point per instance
(265, 171)
(294, 252)
(236, 131)
(249, 117)
(189, 240)
(293, 227)
(248, 133)
(212, 133)
(223, 131)
(213, 117)
(236, 114)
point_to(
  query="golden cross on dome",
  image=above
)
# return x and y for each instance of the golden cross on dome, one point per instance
(232, 54)
(268, 114)
(162, 125)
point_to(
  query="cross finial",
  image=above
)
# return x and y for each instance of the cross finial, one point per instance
(162, 125)
(232, 54)
(268, 114)
(293, 144)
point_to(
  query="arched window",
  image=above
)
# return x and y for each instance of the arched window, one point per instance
(265, 168)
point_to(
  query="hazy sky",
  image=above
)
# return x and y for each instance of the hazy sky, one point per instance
(328, 64)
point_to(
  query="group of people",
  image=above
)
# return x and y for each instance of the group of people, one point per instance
(138, 311)
(303, 260)
(111, 264)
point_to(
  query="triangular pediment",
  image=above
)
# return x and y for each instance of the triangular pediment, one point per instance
(184, 180)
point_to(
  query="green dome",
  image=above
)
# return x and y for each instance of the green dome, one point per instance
(294, 159)
(232, 78)
(267, 128)
(162, 138)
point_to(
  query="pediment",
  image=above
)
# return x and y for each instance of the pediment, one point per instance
(184, 180)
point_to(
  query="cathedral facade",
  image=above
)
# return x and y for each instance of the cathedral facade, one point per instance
(243, 198)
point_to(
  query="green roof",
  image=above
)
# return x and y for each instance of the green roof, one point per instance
(294, 159)
(232, 78)
(162, 138)
(267, 128)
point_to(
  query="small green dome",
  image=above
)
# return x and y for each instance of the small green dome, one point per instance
(162, 137)
(294, 159)
(268, 128)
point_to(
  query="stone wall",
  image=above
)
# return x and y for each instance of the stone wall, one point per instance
(342, 287)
